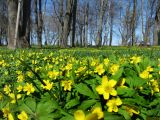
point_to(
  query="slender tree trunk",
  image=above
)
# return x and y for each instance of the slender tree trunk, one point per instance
(81, 34)
(100, 22)
(86, 24)
(61, 22)
(111, 32)
(24, 33)
(74, 22)
(157, 26)
(142, 4)
(67, 23)
(36, 18)
(134, 23)
(156, 31)
(40, 24)
(12, 15)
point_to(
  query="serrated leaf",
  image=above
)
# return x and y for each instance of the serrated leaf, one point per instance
(31, 103)
(112, 116)
(46, 117)
(68, 117)
(45, 109)
(135, 82)
(118, 74)
(72, 103)
(124, 113)
(85, 90)
(86, 104)
(126, 92)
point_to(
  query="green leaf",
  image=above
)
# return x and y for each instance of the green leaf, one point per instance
(31, 103)
(68, 117)
(28, 105)
(112, 116)
(72, 103)
(44, 110)
(124, 113)
(135, 81)
(25, 108)
(126, 92)
(46, 117)
(85, 90)
(118, 74)
(154, 102)
(87, 103)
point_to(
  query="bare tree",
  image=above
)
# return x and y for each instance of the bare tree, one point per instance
(67, 23)
(111, 15)
(74, 22)
(103, 5)
(157, 25)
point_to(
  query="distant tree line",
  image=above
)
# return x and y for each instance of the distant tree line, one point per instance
(79, 22)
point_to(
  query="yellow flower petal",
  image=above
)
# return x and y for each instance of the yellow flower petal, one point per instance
(112, 83)
(113, 92)
(100, 89)
(79, 115)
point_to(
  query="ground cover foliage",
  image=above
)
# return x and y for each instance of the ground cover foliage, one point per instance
(80, 84)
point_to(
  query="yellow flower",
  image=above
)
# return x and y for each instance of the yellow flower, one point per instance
(145, 74)
(2, 62)
(1, 96)
(149, 69)
(7, 89)
(79, 115)
(20, 78)
(5, 111)
(37, 69)
(155, 86)
(10, 116)
(122, 83)
(107, 88)
(93, 63)
(29, 88)
(113, 69)
(98, 111)
(7, 114)
(131, 111)
(96, 114)
(106, 61)
(48, 85)
(80, 69)
(68, 67)
(19, 88)
(23, 116)
(34, 62)
(14, 98)
(29, 74)
(113, 104)
(99, 69)
(53, 74)
(135, 59)
(67, 85)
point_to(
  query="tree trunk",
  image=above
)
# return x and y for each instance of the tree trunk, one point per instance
(12, 15)
(111, 21)
(134, 23)
(61, 21)
(40, 24)
(155, 39)
(86, 24)
(157, 26)
(67, 23)
(74, 22)
(24, 32)
(111, 32)
(100, 25)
